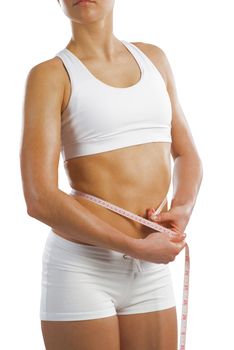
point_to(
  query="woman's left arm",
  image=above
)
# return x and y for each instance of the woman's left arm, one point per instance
(188, 170)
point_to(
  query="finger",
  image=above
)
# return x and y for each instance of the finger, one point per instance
(175, 226)
(164, 216)
(150, 212)
(178, 237)
(176, 230)
(161, 217)
(180, 245)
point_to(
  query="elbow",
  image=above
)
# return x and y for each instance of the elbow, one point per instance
(38, 203)
(34, 208)
(201, 170)
(200, 165)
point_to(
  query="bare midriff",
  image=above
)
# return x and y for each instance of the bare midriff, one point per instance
(135, 178)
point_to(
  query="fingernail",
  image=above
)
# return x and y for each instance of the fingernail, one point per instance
(150, 211)
(154, 217)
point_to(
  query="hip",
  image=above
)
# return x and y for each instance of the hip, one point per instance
(60, 253)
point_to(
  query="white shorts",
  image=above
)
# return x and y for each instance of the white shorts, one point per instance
(82, 282)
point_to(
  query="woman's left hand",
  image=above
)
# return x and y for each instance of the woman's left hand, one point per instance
(176, 218)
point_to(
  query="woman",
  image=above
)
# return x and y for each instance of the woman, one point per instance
(112, 105)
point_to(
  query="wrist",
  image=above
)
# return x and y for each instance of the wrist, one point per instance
(187, 206)
(134, 248)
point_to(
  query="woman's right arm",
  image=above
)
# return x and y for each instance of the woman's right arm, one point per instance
(39, 160)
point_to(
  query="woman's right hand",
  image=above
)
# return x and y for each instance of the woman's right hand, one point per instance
(159, 247)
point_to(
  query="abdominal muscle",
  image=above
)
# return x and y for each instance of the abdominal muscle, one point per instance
(135, 178)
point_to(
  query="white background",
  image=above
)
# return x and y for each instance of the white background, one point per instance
(196, 36)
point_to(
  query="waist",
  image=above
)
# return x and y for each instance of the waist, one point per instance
(135, 179)
(137, 202)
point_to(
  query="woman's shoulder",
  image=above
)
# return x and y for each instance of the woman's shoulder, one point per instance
(149, 48)
(48, 69)
(48, 74)
(156, 54)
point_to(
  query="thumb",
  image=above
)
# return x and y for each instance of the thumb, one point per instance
(161, 217)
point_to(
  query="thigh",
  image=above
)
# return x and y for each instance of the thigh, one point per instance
(155, 330)
(95, 334)
(75, 283)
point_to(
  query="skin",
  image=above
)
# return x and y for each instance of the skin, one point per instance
(116, 172)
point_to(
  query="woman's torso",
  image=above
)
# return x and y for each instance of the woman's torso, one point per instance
(135, 177)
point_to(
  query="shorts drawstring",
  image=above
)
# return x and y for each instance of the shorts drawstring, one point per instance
(137, 268)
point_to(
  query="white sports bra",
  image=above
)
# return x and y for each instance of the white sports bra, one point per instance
(100, 117)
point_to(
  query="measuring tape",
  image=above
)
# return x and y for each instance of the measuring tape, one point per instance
(157, 227)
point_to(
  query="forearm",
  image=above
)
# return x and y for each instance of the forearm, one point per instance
(60, 211)
(187, 177)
